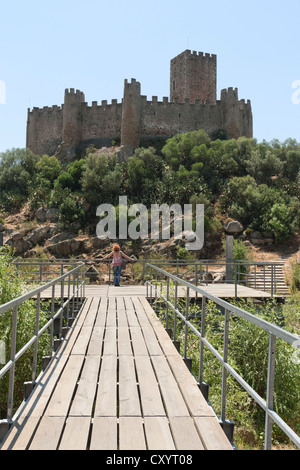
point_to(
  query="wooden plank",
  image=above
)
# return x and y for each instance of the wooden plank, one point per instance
(124, 342)
(138, 342)
(128, 303)
(81, 345)
(194, 399)
(121, 318)
(212, 435)
(90, 318)
(151, 400)
(76, 434)
(151, 341)
(20, 434)
(74, 332)
(129, 403)
(112, 305)
(120, 303)
(158, 434)
(62, 395)
(111, 318)
(160, 332)
(110, 342)
(104, 434)
(48, 433)
(173, 400)
(132, 318)
(185, 434)
(83, 400)
(142, 317)
(131, 434)
(106, 399)
(101, 314)
(96, 341)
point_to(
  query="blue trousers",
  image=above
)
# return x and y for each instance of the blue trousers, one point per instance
(117, 275)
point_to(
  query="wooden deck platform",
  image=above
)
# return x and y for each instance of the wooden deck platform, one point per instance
(222, 291)
(116, 383)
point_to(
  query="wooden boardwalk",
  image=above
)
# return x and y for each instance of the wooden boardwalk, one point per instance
(222, 291)
(116, 383)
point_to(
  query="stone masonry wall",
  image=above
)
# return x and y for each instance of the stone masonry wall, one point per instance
(192, 106)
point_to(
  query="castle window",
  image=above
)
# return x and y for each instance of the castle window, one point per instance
(174, 85)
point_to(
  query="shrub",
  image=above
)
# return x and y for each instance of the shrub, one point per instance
(12, 287)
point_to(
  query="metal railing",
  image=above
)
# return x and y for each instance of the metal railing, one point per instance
(64, 304)
(258, 275)
(261, 275)
(161, 282)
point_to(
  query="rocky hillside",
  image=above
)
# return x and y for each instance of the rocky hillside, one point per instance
(39, 234)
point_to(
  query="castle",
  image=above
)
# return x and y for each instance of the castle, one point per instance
(63, 130)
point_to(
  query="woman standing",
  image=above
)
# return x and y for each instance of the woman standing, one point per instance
(117, 261)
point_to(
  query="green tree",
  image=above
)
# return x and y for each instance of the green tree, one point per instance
(48, 168)
(17, 175)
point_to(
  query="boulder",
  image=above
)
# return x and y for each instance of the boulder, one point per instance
(52, 215)
(19, 246)
(60, 237)
(65, 248)
(262, 238)
(16, 236)
(39, 235)
(40, 214)
(233, 227)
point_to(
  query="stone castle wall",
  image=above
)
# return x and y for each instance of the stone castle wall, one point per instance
(192, 106)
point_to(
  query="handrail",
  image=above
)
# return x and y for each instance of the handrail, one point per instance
(202, 269)
(74, 278)
(273, 330)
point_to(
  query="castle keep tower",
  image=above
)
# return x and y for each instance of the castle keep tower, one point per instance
(194, 77)
(67, 130)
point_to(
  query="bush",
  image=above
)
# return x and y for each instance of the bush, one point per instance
(12, 287)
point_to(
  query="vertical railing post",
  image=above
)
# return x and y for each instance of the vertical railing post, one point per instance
(37, 322)
(69, 294)
(62, 287)
(175, 308)
(224, 371)
(12, 369)
(186, 319)
(52, 322)
(196, 279)
(201, 342)
(270, 391)
(73, 300)
(143, 275)
(272, 280)
(167, 307)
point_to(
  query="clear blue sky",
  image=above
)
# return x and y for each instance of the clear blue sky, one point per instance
(93, 45)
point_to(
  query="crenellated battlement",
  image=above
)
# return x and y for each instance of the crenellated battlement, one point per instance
(188, 52)
(45, 109)
(192, 105)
